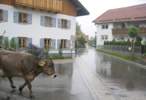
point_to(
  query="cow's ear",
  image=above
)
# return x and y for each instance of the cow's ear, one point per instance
(42, 63)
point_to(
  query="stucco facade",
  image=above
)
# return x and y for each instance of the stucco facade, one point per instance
(35, 31)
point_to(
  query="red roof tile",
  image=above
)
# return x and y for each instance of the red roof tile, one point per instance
(133, 13)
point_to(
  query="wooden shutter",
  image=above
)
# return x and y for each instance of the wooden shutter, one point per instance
(59, 23)
(29, 42)
(16, 15)
(17, 42)
(5, 15)
(53, 43)
(42, 21)
(68, 44)
(58, 44)
(54, 22)
(29, 19)
(42, 42)
(68, 24)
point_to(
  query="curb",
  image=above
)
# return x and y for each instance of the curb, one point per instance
(127, 61)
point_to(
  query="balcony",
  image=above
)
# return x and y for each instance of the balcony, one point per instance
(124, 31)
(47, 5)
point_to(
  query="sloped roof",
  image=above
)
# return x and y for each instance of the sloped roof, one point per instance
(132, 13)
(81, 10)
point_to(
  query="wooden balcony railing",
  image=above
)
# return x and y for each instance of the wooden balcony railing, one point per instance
(125, 31)
(48, 5)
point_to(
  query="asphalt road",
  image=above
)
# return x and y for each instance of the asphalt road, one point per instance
(90, 75)
(69, 85)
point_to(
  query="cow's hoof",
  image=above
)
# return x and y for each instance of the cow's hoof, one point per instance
(20, 93)
(31, 96)
(14, 87)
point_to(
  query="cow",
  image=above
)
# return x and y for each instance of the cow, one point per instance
(25, 65)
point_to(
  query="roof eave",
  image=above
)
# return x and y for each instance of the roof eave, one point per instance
(81, 10)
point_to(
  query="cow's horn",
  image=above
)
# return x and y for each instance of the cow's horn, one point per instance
(41, 63)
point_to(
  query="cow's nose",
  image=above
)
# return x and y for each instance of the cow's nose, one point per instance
(54, 76)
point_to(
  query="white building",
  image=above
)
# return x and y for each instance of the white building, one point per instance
(114, 23)
(44, 23)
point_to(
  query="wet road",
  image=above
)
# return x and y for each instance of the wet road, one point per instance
(90, 76)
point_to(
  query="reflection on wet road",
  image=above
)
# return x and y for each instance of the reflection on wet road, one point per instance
(67, 86)
(112, 79)
(89, 76)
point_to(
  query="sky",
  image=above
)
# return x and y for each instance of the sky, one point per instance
(97, 7)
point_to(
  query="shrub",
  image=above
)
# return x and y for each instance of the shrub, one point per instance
(6, 42)
(13, 43)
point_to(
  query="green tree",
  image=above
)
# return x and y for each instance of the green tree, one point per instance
(133, 33)
(80, 37)
(92, 41)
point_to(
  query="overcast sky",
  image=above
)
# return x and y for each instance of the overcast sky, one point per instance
(97, 7)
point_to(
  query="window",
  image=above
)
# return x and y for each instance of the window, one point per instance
(63, 23)
(63, 43)
(104, 37)
(123, 25)
(105, 26)
(47, 43)
(23, 18)
(22, 42)
(102, 26)
(3, 15)
(48, 21)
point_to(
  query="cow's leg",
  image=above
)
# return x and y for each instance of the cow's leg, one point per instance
(21, 87)
(28, 83)
(30, 88)
(12, 84)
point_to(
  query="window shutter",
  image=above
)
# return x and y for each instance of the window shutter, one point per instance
(53, 43)
(73, 44)
(42, 42)
(42, 21)
(17, 42)
(54, 22)
(16, 15)
(58, 44)
(59, 23)
(5, 15)
(29, 42)
(68, 44)
(29, 19)
(68, 24)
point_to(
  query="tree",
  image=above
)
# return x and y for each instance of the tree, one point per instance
(80, 37)
(92, 41)
(133, 32)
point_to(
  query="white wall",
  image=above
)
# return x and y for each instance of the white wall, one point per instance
(101, 32)
(34, 30)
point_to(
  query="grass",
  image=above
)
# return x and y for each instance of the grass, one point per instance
(117, 54)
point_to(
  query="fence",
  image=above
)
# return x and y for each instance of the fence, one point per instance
(124, 49)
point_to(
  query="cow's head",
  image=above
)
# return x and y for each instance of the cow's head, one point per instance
(47, 67)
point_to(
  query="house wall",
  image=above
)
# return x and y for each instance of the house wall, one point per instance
(101, 32)
(35, 30)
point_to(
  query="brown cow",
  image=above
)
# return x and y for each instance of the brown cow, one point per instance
(24, 65)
